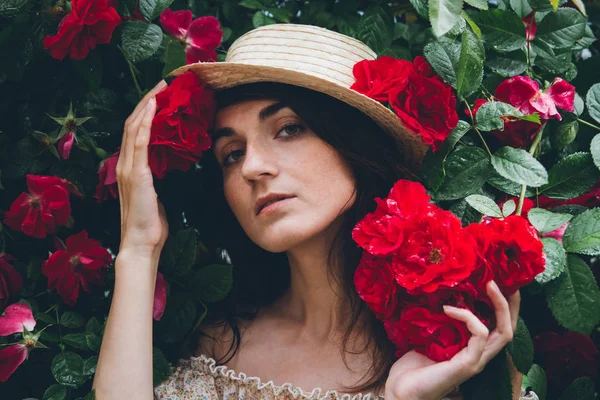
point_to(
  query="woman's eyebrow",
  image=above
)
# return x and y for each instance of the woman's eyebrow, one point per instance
(263, 115)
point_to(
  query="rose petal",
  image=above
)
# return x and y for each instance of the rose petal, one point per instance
(16, 316)
(65, 144)
(160, 297)
(10, 359)
(176, 23)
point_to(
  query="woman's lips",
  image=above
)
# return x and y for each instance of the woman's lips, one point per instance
(275, 206)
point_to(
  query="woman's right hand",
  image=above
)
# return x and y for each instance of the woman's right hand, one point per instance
(144, 227)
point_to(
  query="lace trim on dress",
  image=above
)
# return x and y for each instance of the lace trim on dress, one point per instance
(208, 364)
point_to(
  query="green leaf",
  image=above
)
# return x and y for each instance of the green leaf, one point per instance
(508, 208)
(484, 205)
(71, 320)
(173, 56)
(213, 282)
(444, 14)
(546, 221)
(434, 163)
(537, 380)
(554, 4)
(467, 169)
(93, 341)
(521, 348)
(489, 115)
(49, 319)
(422, 7)
(470, 66)
(160, 366)
(375, 29)
(556, 261)
(582, 388)
(564, 134)
(180, 252)
(573, 297)
(572, 176)
(592, 100)
(519, 166)
(595, 149)
(465, 212)
(55, 392)
(508, 64)
(252, 4)
(89, 365)
(140, 40)
(508, 186)
(471, 23)
(481, 4)
(151, 9)
(502, 30)
(178, 318)
(76, 340)
(67, 369)
(521, 7)
(261, 19)
(583, 233)
(561, 28)
(11, 8)
(444, 57)
(495, 374)
(93, 326)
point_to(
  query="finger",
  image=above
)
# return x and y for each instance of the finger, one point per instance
(503, 317)
(135, 127)
(134, 118)
(140, 157)
(514, 304)
(471, 355)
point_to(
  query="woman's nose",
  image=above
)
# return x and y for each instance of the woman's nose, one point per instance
(258, 162)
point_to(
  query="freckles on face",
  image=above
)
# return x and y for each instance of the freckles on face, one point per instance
(271, 150)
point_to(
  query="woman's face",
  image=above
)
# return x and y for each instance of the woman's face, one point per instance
(264, 148)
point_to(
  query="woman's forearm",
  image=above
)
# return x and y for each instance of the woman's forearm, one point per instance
(124, 368)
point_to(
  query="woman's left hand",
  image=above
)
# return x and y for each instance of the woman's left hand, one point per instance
(416, 377)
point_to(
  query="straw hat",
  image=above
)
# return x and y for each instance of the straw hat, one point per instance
(312, 57)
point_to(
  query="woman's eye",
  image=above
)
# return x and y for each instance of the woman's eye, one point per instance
(232, 154)
(291, 129)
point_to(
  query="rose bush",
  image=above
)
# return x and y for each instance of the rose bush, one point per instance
(506, 94)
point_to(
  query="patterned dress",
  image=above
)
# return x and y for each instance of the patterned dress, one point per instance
(199, 378)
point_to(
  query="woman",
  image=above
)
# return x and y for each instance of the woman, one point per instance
(297, 169)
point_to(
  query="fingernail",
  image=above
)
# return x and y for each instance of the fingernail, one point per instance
(494, 285)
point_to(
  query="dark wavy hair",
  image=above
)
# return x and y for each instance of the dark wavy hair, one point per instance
(260, 277)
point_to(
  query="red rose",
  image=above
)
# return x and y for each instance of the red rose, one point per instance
(201, 36)
(380, 232)
(160, 297)
(511, 250)
(45, 207)
(375, 78)
(436, 336)
(16, 317)
(82, 263)
(524, 94)
(566, 356)
(375, 284)
(107, 178)
(180, 129)
(90, 22)
(65, 144)
(530, 26)
(435, 252)
(516, 133)
(427, 106)
(467, 294)
(10, 280)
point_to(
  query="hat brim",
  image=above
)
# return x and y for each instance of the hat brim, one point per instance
(223, 75)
